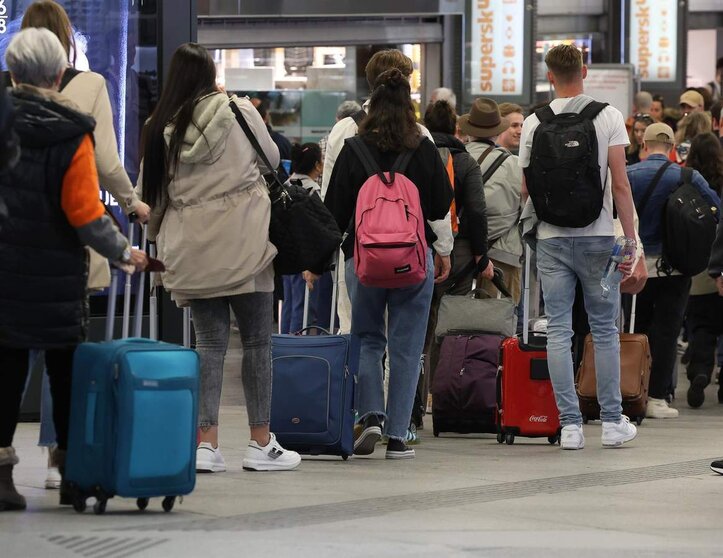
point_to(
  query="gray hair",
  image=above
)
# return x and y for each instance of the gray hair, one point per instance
(36, 57)
(347, 108)
(444, 94)
(643, 101)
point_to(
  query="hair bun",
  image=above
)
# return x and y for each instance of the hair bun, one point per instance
(391, 78)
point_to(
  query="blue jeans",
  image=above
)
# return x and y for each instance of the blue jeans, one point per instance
(47, 437)
(408, 311)
(561, 262)
(292, 309)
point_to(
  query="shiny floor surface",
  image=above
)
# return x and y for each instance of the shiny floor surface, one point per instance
(461, 496)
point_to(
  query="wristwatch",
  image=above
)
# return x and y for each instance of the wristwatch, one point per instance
(126, 257)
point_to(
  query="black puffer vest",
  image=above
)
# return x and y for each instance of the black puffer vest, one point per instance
(43, 266)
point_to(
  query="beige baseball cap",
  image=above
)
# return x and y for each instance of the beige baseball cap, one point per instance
(659, 132)
(692, 99)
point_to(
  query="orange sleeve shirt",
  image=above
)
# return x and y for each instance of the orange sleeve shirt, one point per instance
(80, 196)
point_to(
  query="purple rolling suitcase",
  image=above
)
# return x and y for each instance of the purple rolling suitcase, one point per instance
(464, 389)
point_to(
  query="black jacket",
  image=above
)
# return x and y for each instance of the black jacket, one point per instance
(469, 194)
(43, 267)
(8, 139)
(425, 170)
(715, 267)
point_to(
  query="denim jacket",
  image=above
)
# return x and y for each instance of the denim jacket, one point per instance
(640, 176)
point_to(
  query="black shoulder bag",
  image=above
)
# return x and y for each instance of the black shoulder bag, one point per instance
(303, 230)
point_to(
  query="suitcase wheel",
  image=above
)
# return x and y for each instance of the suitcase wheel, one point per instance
(79, 504)
(168, 503)
(345, 457)
(99, 506)
(142, 503)
(553, 439)
(500, 438)
(585, 420)
(436, 433)
(639, 421)
(509, 438)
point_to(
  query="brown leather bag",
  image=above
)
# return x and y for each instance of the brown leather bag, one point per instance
(635, 361)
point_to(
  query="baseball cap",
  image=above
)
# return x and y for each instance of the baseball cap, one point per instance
(659, 132)
(692, 99)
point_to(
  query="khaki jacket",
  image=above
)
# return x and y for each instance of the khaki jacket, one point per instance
(214, 232)
(89, 94)
(503, 197)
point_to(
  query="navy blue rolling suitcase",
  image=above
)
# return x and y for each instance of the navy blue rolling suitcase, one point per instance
(312, 401)
(133, 419)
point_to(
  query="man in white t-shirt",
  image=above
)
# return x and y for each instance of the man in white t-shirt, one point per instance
(566, 255)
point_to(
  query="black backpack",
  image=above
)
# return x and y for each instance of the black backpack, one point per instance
(689, 226)
(563, 177)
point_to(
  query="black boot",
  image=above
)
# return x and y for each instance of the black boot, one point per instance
(9, 497)
(57, 459)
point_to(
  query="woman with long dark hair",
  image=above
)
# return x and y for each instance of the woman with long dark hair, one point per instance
(210, 217)
(390, 129)
(705, 307)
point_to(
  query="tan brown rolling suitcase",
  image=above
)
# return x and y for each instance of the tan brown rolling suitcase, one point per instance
(635, 361)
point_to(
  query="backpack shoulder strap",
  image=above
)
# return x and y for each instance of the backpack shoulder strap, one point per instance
(402, 162)
(361, 150)
(592, 110)
(68, 76)
(545, 114)
(358, 116)
(649, 192)
(504, 155)
(686, 175)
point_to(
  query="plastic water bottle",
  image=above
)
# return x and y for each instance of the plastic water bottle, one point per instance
(623, 251)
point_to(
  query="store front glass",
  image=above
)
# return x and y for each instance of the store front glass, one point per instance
(303, 86)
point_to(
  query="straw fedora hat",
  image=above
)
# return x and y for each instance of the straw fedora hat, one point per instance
(483, 120)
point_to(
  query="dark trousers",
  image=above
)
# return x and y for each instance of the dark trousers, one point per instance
(14, 365)
(705, 322)
(660, 313)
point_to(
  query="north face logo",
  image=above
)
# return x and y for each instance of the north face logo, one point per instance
(572, 143)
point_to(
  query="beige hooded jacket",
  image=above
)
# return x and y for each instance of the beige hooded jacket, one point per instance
(214, 232)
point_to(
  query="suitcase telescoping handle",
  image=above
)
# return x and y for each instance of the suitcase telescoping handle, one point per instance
(140, 295)
(128, 283)
(526, 280)
(113, 290)
(338, 264)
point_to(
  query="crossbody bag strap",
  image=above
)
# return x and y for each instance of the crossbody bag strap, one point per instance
(252, 138)
(649, 192)
(504, 155)
(484, 155)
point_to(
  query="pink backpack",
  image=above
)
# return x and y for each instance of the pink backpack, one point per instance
(390, 250)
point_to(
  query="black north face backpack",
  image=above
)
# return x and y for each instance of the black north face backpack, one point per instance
(563, 177)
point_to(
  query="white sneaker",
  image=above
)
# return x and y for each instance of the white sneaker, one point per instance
(572, 438)
(209, 459)
(52, 481)
(271, 457)
(659, 408)
(615, 434)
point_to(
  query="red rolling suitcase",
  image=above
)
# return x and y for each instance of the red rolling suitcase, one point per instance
(525, 399)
